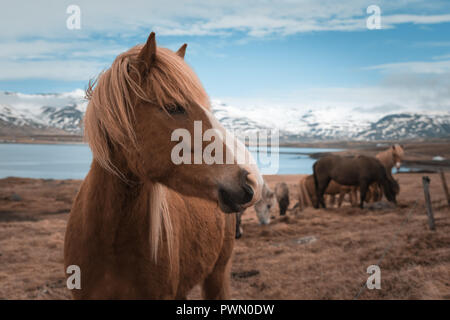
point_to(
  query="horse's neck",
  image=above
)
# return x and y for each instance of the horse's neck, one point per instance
(385, 158)
(113, 207)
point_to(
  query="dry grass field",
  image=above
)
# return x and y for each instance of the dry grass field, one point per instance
(313, 254)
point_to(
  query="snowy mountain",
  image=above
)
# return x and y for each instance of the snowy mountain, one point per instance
(408, 125)
(334, 123)
(62, 114)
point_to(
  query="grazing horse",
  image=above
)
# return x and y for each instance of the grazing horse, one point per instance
(359, 171)
(143, 226)
(262, 208)
(282, 195)
(390, 157)
(307, 194)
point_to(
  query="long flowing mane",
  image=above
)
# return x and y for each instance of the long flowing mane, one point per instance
(110, 120)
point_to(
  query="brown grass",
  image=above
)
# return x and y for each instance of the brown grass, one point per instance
(270, 262)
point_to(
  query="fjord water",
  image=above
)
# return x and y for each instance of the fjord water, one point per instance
(46, 161)
(72, 161)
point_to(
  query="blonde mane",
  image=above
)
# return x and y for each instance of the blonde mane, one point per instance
(110, 119)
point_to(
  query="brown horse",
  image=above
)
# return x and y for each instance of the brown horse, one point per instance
(335, 189)
(307, 194)
(141, 226)
(282, 195)
(359, 171)
(390, 157)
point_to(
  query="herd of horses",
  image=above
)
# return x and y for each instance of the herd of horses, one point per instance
(142, 227)
(335, 175)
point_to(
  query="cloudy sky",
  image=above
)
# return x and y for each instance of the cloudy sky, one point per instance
(294, 53)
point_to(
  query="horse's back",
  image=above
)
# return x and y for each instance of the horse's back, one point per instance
(343, 170)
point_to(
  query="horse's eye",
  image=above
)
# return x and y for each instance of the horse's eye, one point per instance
(175, 109)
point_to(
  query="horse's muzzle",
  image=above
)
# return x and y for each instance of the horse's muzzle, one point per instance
(238, 198)
(235, 200)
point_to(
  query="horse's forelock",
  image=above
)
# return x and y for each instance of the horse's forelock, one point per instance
(171, 80)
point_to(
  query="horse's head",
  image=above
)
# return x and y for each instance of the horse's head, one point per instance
(391, 188)
(149, 119)
(397, 154)
(263, 206)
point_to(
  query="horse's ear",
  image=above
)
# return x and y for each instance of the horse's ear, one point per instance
(147, 55)
(182, 51)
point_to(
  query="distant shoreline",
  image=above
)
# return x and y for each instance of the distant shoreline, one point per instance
(419, 154)
(43, 139)
(338, 144)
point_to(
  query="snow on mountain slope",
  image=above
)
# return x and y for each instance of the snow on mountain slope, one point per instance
(410, 125)
(65, 111)
(62, 111)
(318, 124)
(333, 123)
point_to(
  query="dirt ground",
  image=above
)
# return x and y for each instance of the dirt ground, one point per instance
(316, 254)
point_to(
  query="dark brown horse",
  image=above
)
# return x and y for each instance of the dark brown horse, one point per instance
(359, 171)
(282, 195)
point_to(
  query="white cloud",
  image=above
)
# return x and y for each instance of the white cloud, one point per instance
(416, 19)
(442, 57)
(52, 70)
(432, 44)
(423, 67)
(406, 92)
(36, 43)
(205, 17)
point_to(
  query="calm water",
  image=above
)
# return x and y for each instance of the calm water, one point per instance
(72, 161)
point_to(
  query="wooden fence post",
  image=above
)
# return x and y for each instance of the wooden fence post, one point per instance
(426, 190)
(444, 184)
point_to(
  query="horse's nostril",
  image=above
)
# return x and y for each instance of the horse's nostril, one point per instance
(248, 190)
(248, 193)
